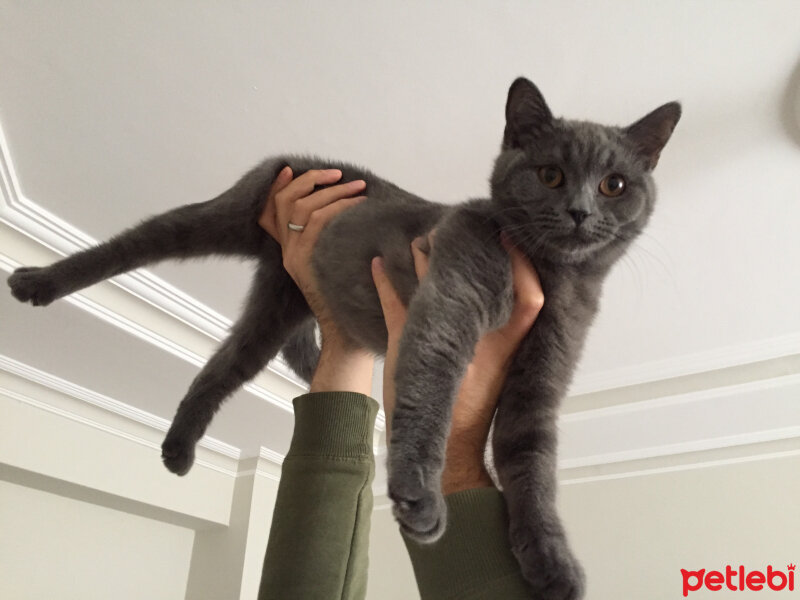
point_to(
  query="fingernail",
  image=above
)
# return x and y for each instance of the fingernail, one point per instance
(377, 264)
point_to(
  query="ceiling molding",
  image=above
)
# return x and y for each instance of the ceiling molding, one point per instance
(677, 399)
(56, 234)
(688, 364)
(743, 439)
(48, 230)
(731, 455)
(271, 455)
(24, 399)
(128, 412)
(267, 464)
(168, 345)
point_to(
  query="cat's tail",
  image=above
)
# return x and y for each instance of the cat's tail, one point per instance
(301, 350)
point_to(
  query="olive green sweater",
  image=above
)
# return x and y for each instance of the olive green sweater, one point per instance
(318, 541)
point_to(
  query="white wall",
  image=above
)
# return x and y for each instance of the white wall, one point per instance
(88, 511)
(390, 574)
(57, 547)
(84, 502)
(634, 534)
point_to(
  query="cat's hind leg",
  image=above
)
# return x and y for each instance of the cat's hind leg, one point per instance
(274, 308)
(226, 225)
(525, 456)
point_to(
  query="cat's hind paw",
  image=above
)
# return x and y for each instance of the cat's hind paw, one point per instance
(177, 454)
(549, 566)
(34, 285)
(419, 509)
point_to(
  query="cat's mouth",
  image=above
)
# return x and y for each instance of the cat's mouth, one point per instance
(577, 244)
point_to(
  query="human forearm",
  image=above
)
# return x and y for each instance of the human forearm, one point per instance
(317, 546)
(472, 560)
(341, 366)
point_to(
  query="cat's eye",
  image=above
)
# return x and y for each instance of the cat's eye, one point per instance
(612, 186)
(551, 176)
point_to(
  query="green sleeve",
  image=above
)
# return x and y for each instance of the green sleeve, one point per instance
(317, 547)
(473, 559)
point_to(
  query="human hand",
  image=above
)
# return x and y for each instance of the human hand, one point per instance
(477, 397)
(342, 367)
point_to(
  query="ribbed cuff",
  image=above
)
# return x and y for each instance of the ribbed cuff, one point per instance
(473, 557)
(333, 424)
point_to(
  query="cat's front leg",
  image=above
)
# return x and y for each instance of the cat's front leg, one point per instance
(525, 444)
(467, 291)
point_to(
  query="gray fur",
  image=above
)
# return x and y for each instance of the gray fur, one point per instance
(468, 291)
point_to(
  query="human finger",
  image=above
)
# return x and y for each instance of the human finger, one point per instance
(299, 187)
(420, 251)
(304, 184)
(299, 246)
(304, 207)
(319, 218)
(394, 312)
(528, 293)
(267, 219)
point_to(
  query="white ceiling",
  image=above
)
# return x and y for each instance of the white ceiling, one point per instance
(115, 111)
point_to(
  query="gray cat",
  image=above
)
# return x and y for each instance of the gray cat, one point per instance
(572, 195)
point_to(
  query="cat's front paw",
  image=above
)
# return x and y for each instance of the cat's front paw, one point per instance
(177, 452)
(34, 285)
(548, 565)
(418, 504)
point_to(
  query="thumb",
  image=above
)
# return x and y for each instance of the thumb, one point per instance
(283, 179)
(394, 312)
(268, 216)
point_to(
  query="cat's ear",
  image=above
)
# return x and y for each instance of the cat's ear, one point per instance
(526, 113)
(651, 133)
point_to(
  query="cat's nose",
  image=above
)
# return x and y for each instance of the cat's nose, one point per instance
(578, 215)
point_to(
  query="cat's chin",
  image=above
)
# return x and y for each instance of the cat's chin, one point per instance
(571, 250)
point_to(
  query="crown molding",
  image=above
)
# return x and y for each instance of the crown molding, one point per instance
(683, 398)
(144, 333)
(688, 364)
(270, 455)
(694, 446)
(699, 459)
(129, 413)
(24, 399)
(46, 229)
(267, 464)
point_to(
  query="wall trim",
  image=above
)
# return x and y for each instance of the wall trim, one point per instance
(272, 456)
(46, 229)
(743, 439)
(682, 398)
(131, 414)
(23, 398)
(683, 467)
(146, 334)
(688, 364)
(66, 388)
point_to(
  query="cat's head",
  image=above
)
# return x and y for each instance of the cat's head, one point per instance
(573, 191)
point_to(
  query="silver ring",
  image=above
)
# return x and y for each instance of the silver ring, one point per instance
(294, 227)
